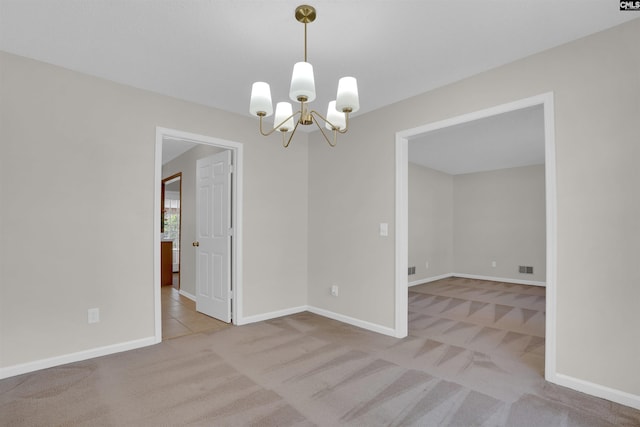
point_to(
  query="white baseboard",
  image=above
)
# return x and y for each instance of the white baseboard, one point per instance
(321, 312)
(187, 295)
(429, 279)
(353, 321)
(499, 279)
(37, 365)
(597, 390)
(270, 315)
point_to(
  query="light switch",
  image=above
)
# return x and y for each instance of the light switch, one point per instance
(384, 229)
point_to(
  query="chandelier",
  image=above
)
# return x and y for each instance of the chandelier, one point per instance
(303, 90)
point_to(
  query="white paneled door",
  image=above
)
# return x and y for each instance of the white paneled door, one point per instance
(213, 236)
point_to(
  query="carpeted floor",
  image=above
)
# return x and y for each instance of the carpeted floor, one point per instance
(474, 357)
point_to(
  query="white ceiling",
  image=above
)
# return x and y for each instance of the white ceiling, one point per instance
(503, 141)
(211, 51)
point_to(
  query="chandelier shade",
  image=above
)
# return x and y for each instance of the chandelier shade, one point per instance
(284, 113)
(261, 99)
(303, 90)
(347, 99)
(303, 87)
(335, 118)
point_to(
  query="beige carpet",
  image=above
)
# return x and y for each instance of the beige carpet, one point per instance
(474, 357)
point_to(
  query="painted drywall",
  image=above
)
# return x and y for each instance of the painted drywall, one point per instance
(499, 216)
(186, 164)
(430, 222)
(597, 102)
(88, 243)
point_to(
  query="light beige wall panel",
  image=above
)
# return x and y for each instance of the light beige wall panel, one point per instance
(597, 102)
(500, 216)
(430, 222)
(349, 190)
(77, 173)
(186, 164)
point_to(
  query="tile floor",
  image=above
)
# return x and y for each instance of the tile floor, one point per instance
(179, 316)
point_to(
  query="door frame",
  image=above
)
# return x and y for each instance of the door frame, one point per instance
(236, 218)
(402, 215)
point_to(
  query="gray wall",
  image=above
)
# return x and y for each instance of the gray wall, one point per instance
(65, 249)
(500, 216)
(461, 224)
(430, 222)
(186, 164)
(597, 102)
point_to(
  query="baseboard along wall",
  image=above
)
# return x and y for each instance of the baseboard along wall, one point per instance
(477, 277)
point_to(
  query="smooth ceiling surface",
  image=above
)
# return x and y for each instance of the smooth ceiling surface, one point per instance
(211, 51)
(502, 141)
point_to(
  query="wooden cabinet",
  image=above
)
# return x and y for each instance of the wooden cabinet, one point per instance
(166, 263)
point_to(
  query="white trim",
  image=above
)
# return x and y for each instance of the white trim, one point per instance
(402, 237)
(430, 279)
(157, 198)
(374, 327)
(320, 312)
(187, 295)
(36, 365)
(552, 235)
(402, 147)
(237, 217)
(272, 315)
(477, 276)
(500, 279)
(621, 397)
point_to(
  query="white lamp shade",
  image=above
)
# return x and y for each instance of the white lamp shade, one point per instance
(347, 98)
(302, 82)
(261, 99)
(336, 117)
(283, 110)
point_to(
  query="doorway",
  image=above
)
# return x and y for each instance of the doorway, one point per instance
(402, 241)
(236, 149)
(171, 226)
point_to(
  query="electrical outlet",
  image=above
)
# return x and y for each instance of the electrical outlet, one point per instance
(334, 290)
(426, 265)
(493, 264)
(93, 315)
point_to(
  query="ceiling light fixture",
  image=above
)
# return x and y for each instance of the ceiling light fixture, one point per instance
(303, 90)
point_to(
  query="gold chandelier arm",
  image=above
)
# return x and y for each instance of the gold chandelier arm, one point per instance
(275, 128)
(342, 131)
(290, 137)
(335, 131)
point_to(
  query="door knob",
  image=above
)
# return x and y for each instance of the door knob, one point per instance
(196, 243)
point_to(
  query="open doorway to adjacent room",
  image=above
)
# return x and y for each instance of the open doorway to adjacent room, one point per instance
(442, 271)
(186, 223)
(170, 228)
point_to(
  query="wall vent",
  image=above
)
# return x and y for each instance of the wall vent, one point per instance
(412, 270)
(524, 269)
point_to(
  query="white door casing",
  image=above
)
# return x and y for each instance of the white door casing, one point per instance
(213, 236)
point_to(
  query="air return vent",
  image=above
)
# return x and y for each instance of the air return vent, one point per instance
(524, 269)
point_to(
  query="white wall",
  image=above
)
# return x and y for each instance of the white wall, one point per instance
(430, 222)
(597, 102)
(500, 216)
(186, 164)
(65, 249)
